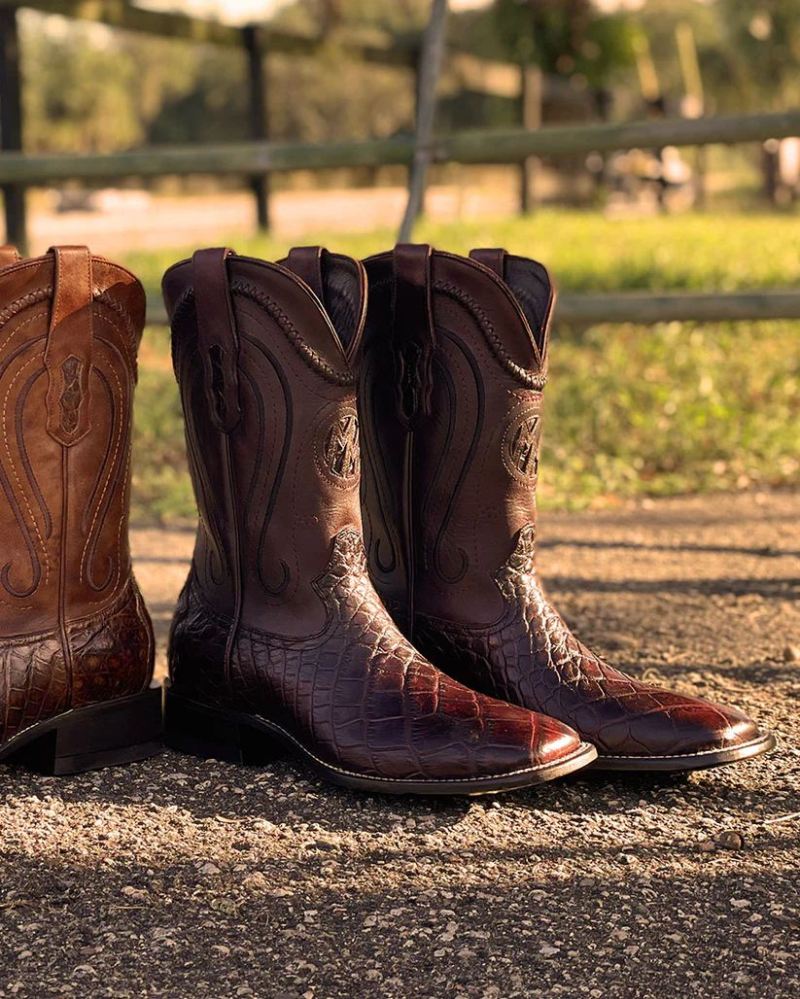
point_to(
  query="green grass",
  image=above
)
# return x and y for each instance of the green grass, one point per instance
(584, 250)
(631, 411)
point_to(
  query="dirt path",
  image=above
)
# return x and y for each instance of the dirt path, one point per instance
(186, 220)
(186, 878)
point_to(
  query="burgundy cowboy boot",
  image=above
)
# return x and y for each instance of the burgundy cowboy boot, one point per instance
(451, 383)
(279, 639)
(76, 644)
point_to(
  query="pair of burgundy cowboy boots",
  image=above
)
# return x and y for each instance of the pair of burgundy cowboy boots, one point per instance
(429, 663)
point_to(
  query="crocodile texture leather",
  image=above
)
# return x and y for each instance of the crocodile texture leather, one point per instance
(73, 628)
(532, 657)
(359, 693)
(278, 617)
(464, 507)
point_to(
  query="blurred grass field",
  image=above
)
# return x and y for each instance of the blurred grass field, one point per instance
(630, 410)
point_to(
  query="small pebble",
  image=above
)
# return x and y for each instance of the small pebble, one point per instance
(729, 839)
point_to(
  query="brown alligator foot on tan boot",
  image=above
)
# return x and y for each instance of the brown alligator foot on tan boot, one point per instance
(76, 644)
(279, 639)
(453, 369)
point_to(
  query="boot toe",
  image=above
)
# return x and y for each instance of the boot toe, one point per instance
(554, 740)
(679, 727)
(515, 739)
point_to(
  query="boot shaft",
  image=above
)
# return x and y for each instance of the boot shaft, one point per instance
(451, 455)
(70, 325)
(262, 360)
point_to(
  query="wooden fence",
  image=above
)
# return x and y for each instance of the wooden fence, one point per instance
(646, 308)
(258, 158)
(477, 146)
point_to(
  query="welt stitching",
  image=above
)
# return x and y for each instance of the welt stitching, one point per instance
(423, 780)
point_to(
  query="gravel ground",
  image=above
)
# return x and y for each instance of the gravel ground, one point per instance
(178, 877)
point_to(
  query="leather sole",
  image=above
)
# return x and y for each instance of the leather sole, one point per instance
(687, 761)
(107, 734)
(237, 737)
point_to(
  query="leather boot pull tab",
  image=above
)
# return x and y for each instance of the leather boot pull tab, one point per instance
(217, 339)
(68, 355)
(494, 259)
(306, 263)
(8, 255)
(413, 332)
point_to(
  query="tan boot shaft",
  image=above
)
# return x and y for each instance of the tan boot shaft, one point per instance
(73, 628)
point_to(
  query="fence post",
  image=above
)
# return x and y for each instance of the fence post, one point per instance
(430, 65)
(11, 123)
(694, 99)
(531, 117)
(259, 118)
(417, 62)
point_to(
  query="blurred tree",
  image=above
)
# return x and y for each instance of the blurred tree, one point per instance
(762, 42)
(748, 53)
(77, 101)
(92, 89)
(317, 16)
(210, 105)
(658, 21)
(332, 95)
(569, 38)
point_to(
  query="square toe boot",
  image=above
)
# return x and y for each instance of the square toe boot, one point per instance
(451, 461)
(279, 641)
(76, 643)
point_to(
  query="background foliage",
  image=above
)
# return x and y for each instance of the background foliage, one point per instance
(92, 89)
(630, 410)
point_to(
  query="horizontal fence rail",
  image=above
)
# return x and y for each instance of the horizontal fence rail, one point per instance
(478, 147)
(655, 307)
(645, 308)
(486, 146)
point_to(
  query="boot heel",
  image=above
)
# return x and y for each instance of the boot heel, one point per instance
(207, 732)
(101, 735)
